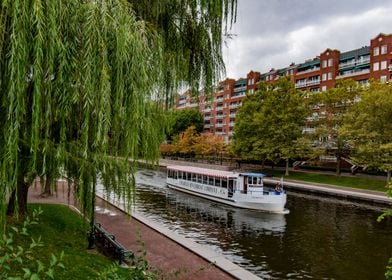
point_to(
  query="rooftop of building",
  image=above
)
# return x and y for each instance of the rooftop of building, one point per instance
(355, 53)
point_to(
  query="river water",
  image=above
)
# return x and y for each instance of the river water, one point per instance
(321, 238)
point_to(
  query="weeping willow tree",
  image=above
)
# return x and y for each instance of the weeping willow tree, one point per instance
(83, 85)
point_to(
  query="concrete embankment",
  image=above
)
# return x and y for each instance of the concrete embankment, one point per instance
(347, 193)
(359, 195)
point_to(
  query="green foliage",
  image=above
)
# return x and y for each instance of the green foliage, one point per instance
(388, 213)
(269, 123)
(333, 105)
(190, 143)
(368, 128)
(64, 230)
(180, 120)
(18, 260)
(77, 79)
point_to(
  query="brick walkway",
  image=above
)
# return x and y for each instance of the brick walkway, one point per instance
(162, 253)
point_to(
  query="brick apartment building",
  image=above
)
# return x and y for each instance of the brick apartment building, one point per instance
(314, 75)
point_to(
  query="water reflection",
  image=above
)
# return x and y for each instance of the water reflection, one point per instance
(321, 238)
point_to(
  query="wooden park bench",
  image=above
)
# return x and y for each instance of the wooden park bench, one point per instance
(109, 245)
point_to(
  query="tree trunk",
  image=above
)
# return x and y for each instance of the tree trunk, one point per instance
(18, 198)
(47, 191)
(287, 167)
(338, 164)
(388, 176)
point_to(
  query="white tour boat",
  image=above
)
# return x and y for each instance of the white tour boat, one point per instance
(244, 190)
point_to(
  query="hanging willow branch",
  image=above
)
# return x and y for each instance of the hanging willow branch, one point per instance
(81, 84)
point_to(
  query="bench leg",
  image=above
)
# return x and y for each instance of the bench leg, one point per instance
(91, 240)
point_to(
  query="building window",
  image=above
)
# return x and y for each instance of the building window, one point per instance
(383, 79)
(330, 62)
(375, 66)
(324, 63)
(324, 88)
(324, 77)
(376, 51)
(384, 49)
(383, 65)
(329, 76)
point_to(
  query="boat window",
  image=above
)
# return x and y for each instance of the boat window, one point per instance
(217, 182)
(205, 181)
(259, 181)
(189, 176)
(211, 181)
(254, 180)
(169, 173)
(175, 174)
(224, 183)
(199, 179)
(249, 180)
(193, 177)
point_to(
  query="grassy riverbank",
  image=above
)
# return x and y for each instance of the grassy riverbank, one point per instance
(61, 229)
(340, 181)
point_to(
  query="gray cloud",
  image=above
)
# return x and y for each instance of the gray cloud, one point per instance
(276, 33)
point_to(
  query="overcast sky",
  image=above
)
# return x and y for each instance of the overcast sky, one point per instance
(274, 33)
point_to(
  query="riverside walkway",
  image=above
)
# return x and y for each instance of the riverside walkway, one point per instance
(175, 257)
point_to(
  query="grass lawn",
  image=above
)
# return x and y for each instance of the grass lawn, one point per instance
(342, 181)
(62, 229)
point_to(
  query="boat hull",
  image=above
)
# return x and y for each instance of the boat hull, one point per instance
(276, 205)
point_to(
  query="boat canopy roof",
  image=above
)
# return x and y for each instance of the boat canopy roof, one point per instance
(204, 171)
(254, 174)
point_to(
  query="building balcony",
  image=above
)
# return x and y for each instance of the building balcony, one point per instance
(207, 110)
(206, 118)
(353, 73)
(390, 68)
(219, 125)
(314, 69)
(239, 89)
(347, 64)
(207, 126)
(313, 82)
(232, 124)
(311, 119)
(353, 63)
(307, 83)
(219, 117)
(219, 99)
(232, 115)
(363, 61)
(219, 108)
(233, 106)
(308, 130)
(239, 94)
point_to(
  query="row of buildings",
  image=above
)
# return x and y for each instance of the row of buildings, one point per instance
(318, 74)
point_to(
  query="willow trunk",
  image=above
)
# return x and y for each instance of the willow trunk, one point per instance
(18, 198)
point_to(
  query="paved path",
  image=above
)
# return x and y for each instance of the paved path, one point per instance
(162, 253)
